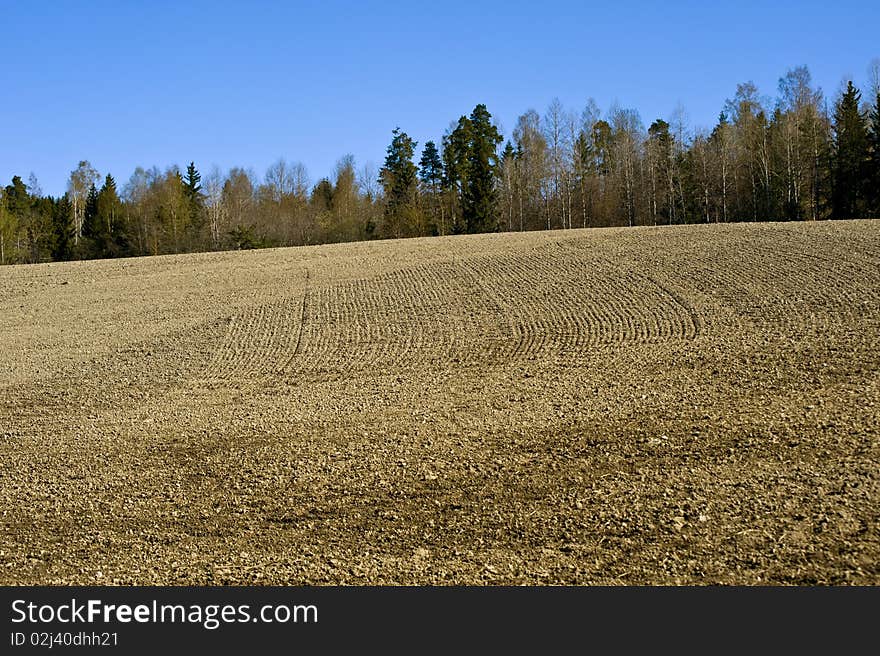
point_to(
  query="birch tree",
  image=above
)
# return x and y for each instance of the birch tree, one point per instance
(531, 146)
(81, 180)
(214, 205)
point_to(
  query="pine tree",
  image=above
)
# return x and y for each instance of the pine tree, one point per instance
(480, 211)
(17, 198)
(850, 157)
(456, 148)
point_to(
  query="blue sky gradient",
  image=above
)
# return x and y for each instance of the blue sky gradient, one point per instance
(124, 84)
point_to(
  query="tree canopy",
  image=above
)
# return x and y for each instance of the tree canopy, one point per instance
(785, 159)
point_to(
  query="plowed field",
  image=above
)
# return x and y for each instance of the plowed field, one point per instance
(679, 405)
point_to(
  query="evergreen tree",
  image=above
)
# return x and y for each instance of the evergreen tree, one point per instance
(8, 229)
(480, 211)
(431, 167)
(431, 176)
(600, 150)
(659, 159)
(322, 207)
(91, 227)
(850, 157)
(322, 196)
(509, 152)
(193, 190)
(874, 169)
(456, 148)
(110, 230)
(14, 219)
(26, 222)
(195, 201)
(399, 180)
(62, 230)
(17, 199)
(508, 180)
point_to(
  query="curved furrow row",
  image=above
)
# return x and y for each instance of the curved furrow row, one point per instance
(373, 323)
(789, 290)
(567, 304)
(257, 341)
(826, 283)
(741, 281)
(556, 300)
(499, 281)
(261, 338)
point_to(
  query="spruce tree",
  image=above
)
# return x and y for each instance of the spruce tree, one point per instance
(193, 190)
(874, 168)
(431, 167)
(195, 202)
(508, 179)
(509, 153)
(18, 210)
(850, 158)
(27, 219)
(431, 177)
(479, 209)
(8, 228)
(62, 230)
(399, 180)
(111, 233)
(92, 244)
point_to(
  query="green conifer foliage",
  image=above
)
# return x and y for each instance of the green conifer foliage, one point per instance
(399, 181)
(480, 209)
(850, 157)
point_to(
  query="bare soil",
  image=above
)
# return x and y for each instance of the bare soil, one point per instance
(680, 405)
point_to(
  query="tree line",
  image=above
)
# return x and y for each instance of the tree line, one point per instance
(792, 158)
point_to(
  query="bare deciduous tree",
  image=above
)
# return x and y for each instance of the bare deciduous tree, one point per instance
(81, 179)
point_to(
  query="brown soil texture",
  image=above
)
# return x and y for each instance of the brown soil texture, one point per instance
(677, 405)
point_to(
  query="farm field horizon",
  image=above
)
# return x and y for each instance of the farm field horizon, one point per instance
(655, 405)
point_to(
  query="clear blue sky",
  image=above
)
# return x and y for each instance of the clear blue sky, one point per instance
(124, 84)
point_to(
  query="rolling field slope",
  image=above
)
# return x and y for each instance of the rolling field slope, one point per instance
(679, 405)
